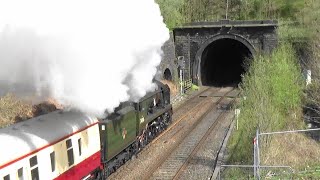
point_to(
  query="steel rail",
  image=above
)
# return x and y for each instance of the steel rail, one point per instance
(211, 107)
(181, 118)
(221, 117)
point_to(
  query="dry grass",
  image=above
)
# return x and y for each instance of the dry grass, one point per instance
(173, 87)
(13, 110)
(295, 150)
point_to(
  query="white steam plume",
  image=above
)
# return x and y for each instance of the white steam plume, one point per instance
(87, 54)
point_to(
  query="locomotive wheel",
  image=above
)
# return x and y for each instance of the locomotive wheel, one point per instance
(167, 119)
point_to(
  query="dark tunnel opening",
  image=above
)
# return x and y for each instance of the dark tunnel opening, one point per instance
(222, 63)
(167, 75)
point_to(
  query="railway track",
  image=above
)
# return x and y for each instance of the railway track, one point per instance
(198, 155)
(176, 164)
(191, 106)
(181, 140)
(191, 102)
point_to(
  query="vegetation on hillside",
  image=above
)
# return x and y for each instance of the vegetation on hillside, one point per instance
(272, 91)
(271, 100)
(178, 12)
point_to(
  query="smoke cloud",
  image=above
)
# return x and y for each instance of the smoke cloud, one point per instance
(87, 54)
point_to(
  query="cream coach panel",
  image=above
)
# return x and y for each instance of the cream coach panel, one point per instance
(83, 136)
(57, 162)
(21, 169)
(94, 139)
(90, 143)
(61, 159)
(13, 169)
(44, 163)
(23, 166)
(61, 156)
(77, 159)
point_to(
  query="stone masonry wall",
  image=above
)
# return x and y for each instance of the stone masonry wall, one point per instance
(168, 59)
(189, 40)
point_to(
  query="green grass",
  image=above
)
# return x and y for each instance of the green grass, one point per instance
(271, 100)
(237, 173)
(310, 173)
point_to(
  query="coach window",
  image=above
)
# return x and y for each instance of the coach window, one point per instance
(79, 144)
(53, 161)
(34, 168)
(70, 152)
(7, 177)
(20, 174)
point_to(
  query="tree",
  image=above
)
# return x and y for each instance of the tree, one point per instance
(171, 12)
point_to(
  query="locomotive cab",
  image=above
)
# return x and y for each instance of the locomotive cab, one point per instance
(118, 130)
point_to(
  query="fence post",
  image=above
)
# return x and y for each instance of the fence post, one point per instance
(254, 158)
(181, 82)
(237, 114)
(307, 75)
(258, 155)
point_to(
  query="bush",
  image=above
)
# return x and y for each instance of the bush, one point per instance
(271, 100)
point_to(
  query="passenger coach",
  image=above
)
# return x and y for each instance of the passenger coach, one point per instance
(72, 149)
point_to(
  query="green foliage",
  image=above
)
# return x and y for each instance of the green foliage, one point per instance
(178, 12)
(269, 9)
(271, 92)
(172, 12)
(292, 32)
(309, 173)
(195, 87)
(203, 10)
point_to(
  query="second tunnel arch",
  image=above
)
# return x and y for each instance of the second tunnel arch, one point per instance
(219, 61)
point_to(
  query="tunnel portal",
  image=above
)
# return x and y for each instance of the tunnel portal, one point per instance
(223, 62)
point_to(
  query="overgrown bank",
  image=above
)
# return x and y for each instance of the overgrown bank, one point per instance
(271, 100)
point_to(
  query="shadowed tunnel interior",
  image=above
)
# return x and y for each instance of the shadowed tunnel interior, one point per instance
(222, 62)
(167, 75)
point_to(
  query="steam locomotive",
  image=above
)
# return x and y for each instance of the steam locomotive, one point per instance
(73, 145)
